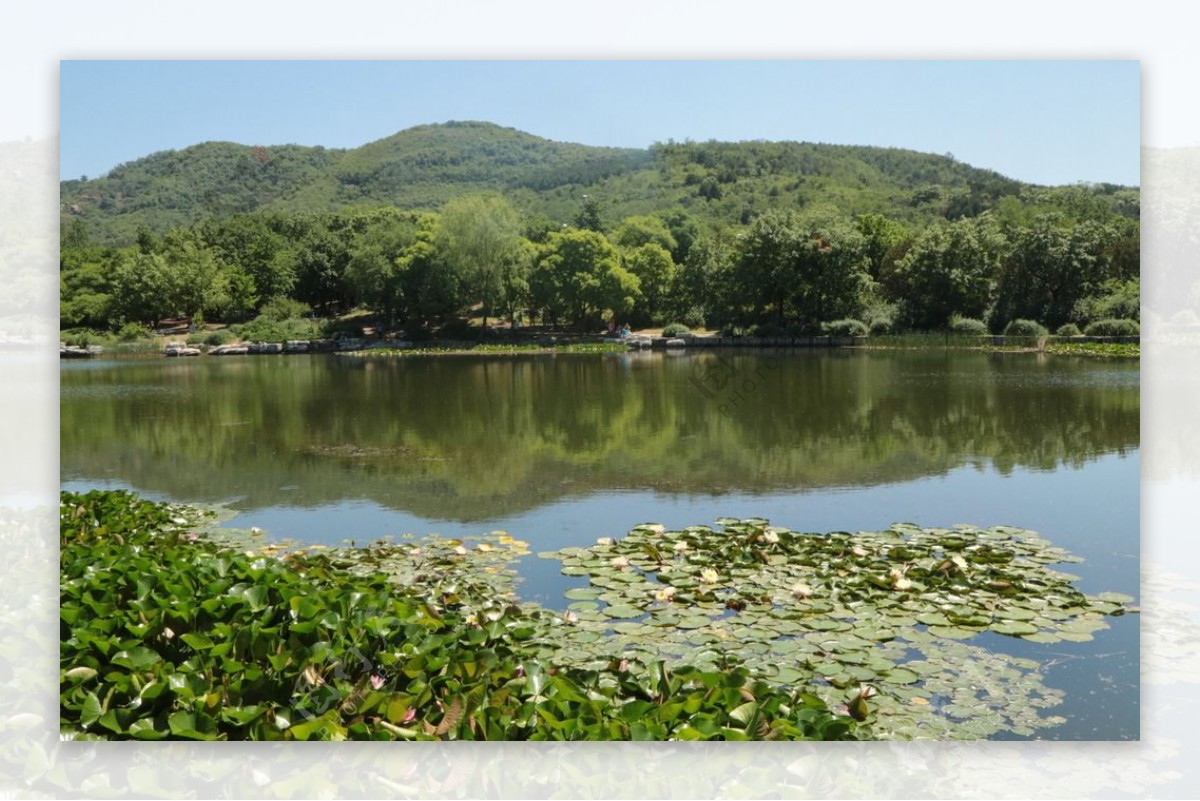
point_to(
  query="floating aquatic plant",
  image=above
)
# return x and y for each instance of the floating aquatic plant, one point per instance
(889, 609)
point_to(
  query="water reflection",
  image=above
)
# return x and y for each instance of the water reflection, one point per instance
(477, 438)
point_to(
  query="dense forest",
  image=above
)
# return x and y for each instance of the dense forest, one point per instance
(442, 222)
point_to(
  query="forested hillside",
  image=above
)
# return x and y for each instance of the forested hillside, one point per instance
(440, 220)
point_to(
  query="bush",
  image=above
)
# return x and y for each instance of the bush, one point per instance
(280, 309)
(844, 328)
(1119, 301)
(1113, 328)
(967, 326)
(693, 318)
(881, 326)
(83, 337)
(221, 336)
(676, 330)
(131, 332)
(1068, 330)
(1024, 328)
(262, 329)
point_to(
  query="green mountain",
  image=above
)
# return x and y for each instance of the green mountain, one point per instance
(425, 166)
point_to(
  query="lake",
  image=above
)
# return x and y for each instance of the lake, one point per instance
(562, 449)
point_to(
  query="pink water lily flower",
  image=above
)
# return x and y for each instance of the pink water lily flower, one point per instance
(376, 681)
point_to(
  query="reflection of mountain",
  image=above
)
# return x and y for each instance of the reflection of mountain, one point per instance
(472, 438)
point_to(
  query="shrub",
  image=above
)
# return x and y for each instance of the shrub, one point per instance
(262, 329)
(1112, 328)
(1068, 330)
(675, 330)
(279, 309)
(1024, 328)
(1119, 301)
(693, 318)
(132, 331)
(844, 328)
(967, 326)
(881, 326)
(220, 336)
(83, 337)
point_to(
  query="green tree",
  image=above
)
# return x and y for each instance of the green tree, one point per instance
(633, 232)
(809, 267)
(578, 277)
(321, 253)
(256, 255)
(949, 270)
(589, 216)
(431, 291)
(655, 271)
(480, 238)
(704, 289)
(1051, 266)
(374, 271)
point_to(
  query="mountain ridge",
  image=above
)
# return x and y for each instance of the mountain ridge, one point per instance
(424, 166)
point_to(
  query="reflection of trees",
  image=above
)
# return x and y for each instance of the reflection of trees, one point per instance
(471, 438)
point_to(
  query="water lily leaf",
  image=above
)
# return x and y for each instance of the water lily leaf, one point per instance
(951, 632)
(901, 676)
(623, 611)
(1013, 627)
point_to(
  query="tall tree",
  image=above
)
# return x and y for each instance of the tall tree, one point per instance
(655, 271)
(805, 268)
(579, 277)
(480, 238)
(950, 269)
(1051, 266)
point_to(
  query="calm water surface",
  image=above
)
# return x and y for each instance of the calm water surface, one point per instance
(560, 450)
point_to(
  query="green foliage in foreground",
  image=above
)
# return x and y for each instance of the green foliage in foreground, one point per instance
(168, 635)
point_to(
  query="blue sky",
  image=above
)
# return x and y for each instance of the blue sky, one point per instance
(1049, 122)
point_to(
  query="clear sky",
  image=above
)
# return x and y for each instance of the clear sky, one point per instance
(1048, 122)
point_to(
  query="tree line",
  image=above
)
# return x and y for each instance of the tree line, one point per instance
(1057, 257)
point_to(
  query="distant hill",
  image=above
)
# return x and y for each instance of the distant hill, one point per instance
(425, 166)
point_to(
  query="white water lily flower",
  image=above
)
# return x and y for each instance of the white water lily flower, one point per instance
(801, 590)
(681, 546)
(665, 594)
(902, 584)
(620, 562)
(858, 550)
(657, 528)
(604, 541)
(771, 537)
(570, 617)
(460, 550)
(709, 576)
